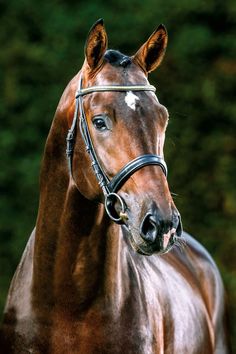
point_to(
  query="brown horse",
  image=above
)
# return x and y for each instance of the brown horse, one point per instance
(96, 275)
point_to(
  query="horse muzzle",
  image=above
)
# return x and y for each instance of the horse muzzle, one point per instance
(159, 233)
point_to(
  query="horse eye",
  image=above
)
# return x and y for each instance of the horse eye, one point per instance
(100, 123)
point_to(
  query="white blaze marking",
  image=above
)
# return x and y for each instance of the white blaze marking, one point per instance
(131, 99)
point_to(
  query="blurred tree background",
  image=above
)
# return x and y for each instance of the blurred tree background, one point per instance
(42, 48)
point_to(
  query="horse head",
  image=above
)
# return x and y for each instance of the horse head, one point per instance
(122, 127)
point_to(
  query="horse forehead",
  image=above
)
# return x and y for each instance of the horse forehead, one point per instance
(128, 103)
(132, 75)
(129, 100)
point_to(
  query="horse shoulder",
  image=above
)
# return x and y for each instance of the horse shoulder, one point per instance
(18, 312)
(212, 290)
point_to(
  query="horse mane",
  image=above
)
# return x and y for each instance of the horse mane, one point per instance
(116, 58)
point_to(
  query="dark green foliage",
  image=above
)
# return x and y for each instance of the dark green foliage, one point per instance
(42, 48)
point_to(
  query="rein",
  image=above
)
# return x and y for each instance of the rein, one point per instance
(109, 187)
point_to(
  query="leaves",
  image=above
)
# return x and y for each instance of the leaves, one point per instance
(42, 48)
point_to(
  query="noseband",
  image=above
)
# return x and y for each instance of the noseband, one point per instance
(109, 187)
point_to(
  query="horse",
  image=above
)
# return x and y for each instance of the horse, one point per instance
(108, 268)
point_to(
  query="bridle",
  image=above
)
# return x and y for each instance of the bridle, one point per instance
(109, 187)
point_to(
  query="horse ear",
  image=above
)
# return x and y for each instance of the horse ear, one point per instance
(96, 45)
(150, 55)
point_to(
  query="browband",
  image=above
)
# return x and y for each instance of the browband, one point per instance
(115, 88)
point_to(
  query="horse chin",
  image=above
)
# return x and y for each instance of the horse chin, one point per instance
(145, 249)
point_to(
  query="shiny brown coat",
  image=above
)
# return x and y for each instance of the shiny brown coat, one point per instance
(83, 286)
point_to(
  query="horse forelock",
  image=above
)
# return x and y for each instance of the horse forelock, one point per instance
(116, 58)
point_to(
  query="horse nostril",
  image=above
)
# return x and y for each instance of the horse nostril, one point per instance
(149, 228)
(156, 228)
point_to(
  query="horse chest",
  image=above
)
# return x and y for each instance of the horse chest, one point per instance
(143, 324)
(96, 336)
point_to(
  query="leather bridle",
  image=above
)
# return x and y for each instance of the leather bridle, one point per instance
(109, 187)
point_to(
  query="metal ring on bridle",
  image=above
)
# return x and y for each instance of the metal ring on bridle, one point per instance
(110, 200)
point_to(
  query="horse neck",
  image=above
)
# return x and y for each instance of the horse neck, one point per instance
(88, 263)
(75, 240)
